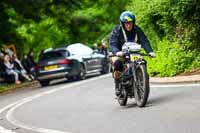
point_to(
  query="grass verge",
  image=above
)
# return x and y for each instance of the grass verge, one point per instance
(4, 88)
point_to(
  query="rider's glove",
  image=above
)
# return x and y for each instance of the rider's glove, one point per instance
(120, 53)
(152, 54)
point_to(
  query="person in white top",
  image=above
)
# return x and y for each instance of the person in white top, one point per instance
(10, 68)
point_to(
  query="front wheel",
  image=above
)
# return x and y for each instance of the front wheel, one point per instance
(123, 97)
(141, 89)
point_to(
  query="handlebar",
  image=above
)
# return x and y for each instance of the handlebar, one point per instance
(142, 54)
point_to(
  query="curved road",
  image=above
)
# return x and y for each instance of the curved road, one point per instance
(89, 107)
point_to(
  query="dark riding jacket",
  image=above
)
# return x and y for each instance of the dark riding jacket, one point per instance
(117, 38)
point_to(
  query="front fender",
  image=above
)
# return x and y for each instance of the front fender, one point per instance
(141, 61)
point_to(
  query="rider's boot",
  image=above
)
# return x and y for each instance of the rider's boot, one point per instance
(116, 75)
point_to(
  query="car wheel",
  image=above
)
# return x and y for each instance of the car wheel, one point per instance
(81, 75)
(44, 83)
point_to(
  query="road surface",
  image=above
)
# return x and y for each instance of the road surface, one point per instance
(89, 106)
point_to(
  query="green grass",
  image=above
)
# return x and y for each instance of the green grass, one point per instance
(9, 87)
(5, 87)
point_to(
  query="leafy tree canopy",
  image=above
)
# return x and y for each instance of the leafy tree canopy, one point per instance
(40, 24)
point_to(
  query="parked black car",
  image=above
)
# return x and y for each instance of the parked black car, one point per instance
(73, 62)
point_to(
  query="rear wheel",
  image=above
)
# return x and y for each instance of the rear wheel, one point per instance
(81, 75)
(141, 90)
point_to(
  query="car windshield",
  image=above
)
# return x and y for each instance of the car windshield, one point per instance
(79, 49)
(51, 55)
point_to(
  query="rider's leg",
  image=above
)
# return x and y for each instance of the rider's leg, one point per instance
(117, 89)
(117, 70)
(117, 67)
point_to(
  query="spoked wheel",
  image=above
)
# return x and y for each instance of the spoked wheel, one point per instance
(142, 86)
(122, 98)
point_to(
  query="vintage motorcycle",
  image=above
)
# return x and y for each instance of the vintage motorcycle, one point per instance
(134, 80)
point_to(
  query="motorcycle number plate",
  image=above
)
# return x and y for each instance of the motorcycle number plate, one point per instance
(134, 57)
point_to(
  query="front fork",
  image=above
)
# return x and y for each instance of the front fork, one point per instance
(134, 79)
(134, 67)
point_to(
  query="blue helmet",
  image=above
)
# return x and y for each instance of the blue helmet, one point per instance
(127, 16)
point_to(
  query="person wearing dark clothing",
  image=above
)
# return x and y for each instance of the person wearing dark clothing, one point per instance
(127, 31)
(31, 62)
(27, 65)
(104, 49)
(121, 34)
(31, 59)
(117, 38)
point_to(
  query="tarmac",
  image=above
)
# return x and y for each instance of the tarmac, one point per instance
(153, 80)
(176, 79)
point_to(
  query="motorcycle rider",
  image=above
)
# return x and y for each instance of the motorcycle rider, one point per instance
(127, 31)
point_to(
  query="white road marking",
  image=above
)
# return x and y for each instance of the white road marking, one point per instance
(15, 105)
(3, 130)
(12, 107)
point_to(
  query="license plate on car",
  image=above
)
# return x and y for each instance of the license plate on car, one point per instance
(47, 68)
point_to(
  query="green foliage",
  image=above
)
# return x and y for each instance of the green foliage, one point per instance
(172, 59)
(141, 9)
(96, 19)
(174, 19)
(42, 35)
(188, 15)
(40, 24)
(172, 26)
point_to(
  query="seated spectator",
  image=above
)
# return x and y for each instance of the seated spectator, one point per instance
(8, 51)
(19, 67)
(4, 77)
(9, 68)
